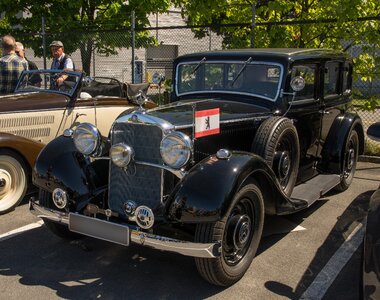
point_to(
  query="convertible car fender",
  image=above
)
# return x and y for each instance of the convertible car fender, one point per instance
(209, 188)
(332, 153)
(60, 165)
(27, 148)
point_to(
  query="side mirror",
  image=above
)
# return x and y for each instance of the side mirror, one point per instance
(373, 132)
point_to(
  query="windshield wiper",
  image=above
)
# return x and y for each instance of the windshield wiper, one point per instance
(241, 70)
(198, 65)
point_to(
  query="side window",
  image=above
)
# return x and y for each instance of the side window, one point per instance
(308, 73)
(347, 81)
(331, 79)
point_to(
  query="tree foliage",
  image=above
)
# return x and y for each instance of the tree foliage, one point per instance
(338, 24)
(79, 24)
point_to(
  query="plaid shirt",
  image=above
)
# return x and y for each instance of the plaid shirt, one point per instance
(11, 67)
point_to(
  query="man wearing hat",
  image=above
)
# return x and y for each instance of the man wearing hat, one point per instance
(61, 61)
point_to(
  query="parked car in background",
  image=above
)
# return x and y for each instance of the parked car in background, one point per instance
(248, 133)
(38, 111)
(371, 249)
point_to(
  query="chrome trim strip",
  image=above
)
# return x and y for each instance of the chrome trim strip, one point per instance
(205, 250)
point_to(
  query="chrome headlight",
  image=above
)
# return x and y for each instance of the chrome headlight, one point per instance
(175, 149)
(121, 155)
(87, 138)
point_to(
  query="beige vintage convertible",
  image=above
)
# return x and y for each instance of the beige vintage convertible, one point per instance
(39, 110)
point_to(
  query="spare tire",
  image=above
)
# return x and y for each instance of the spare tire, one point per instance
(276, 141)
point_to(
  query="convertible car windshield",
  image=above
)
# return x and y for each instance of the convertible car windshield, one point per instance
(46, 81)
(244, 77)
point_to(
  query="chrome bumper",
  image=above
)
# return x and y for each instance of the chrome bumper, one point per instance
(123, 234)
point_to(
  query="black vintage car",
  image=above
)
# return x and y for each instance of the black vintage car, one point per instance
(247, 133)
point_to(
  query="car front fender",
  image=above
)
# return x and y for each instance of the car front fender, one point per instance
(60, 165)
(205, 193)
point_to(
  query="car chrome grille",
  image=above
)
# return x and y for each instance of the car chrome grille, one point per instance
(139, 183)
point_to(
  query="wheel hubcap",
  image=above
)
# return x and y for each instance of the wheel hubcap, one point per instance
(12, 182)
(350, 159)
(282, 164)
(2, 182)
(241, 232)
(238, 236)
(5, 183)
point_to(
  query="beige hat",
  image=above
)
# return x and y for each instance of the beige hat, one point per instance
(56, 44)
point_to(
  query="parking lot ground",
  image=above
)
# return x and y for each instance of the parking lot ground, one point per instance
(313, 254)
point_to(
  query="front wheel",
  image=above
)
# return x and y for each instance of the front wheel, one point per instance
(350, 159)
(14, 178)
(240, 232)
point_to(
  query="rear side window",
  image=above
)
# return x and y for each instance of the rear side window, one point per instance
(347, 81)
(308, 72)
(331, 79)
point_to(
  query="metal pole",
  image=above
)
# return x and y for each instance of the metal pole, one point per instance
(133, 44)
(209, 39)
(156, 26)
(43, 41)
(253, 24)
(93, 61)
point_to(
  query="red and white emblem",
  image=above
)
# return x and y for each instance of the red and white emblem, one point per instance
(207, 122)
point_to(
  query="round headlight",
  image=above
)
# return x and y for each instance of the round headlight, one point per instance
(176, 149)
(87, 138)
(121, 154)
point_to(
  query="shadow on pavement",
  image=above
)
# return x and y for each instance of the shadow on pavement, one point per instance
(353, 214)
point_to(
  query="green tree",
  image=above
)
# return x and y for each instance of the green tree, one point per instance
(79, 24)
(338, 24)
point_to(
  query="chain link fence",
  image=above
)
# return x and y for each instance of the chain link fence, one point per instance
(155, 49)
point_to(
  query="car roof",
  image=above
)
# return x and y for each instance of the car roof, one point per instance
(293, 54)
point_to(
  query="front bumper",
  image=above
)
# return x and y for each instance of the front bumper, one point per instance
(123, 234)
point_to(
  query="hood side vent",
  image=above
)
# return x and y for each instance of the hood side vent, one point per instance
(30, 127)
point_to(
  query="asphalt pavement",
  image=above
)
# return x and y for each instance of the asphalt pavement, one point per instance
(313, 254)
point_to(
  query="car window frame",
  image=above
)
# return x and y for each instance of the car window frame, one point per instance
(201, 69)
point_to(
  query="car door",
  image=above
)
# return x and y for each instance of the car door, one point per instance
(336, 91)
(305, 107)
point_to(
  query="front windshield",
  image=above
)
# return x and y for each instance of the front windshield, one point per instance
(258, 79)
(46, 81)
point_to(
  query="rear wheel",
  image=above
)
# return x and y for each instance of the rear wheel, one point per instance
(14, 176)
(60, 230)
(350, 160)
(240, 232)
(277, 142)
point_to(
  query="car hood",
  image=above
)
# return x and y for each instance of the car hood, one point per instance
(181, 113)
(32, 101)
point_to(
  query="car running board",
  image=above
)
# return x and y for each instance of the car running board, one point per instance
(315, 188)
